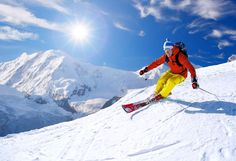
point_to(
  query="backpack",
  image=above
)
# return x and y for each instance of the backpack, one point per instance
(182, 49)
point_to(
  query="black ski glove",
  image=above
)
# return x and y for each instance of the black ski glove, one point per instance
(195, 85)
(145, 70)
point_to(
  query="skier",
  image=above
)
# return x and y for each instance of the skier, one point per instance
(177, 60)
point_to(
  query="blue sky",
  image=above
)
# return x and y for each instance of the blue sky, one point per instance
(124, 34)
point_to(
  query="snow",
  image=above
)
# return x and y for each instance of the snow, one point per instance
(50, 79)
(190, 125)
(18, 114)
(55, 76)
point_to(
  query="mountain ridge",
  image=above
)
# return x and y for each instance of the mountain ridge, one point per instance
(54, 75)
(54, 80)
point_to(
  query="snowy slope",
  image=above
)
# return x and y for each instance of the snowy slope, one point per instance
(55, 76)
(18, 114)
(191, 125)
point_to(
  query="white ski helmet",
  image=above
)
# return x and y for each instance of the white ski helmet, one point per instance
(168, 45)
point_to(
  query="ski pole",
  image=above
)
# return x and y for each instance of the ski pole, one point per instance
(209, 93)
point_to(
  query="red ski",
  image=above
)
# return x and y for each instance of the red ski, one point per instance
(136, 105)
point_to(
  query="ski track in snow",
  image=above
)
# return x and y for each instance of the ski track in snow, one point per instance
(153, 149)
(91, 142)
(68, 147)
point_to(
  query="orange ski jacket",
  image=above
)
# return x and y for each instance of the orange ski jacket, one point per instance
(174, 67)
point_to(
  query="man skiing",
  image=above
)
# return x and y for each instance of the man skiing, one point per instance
(177, 60)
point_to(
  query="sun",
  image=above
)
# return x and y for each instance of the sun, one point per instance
(80, 33)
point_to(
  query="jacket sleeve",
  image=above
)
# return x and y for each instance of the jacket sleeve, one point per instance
(186, 63)
(157, 62)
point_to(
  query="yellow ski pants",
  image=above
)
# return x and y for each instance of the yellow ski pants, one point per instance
(167, 82)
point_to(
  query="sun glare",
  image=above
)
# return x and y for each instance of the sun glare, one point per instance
(80, 32)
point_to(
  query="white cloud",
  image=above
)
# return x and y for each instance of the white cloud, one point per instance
(121, 26)
(223, 43)
(20, 16)
(231, 33)
(155, 11)
(11, 2)
(223, 33)
(207, 9)
(8, 33)
(210, 9)
(220, 56)
(177, 28)
(233, 37)
(146, 10)
(53, 4)
(141, 33)
(199, 25)
(218, 33)
(153, 2)
(176, 6)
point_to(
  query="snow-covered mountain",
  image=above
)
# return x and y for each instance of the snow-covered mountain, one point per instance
(54, 75)
(232, 58)
(18, 114)
(190, 125)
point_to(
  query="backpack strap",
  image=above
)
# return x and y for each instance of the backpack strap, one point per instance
(176, 59)
(167, 59)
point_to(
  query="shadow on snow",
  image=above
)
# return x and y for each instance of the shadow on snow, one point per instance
(218, 107)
